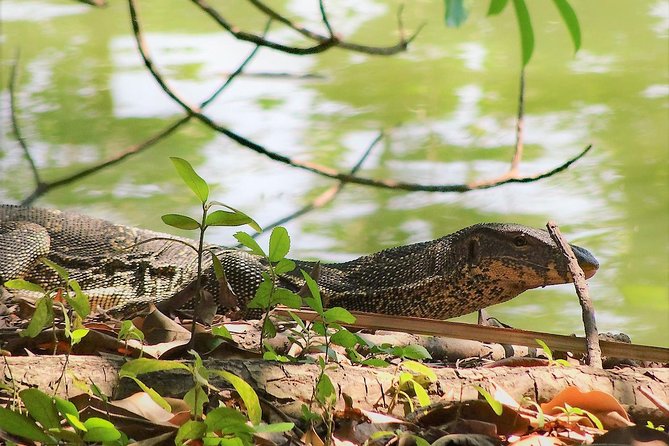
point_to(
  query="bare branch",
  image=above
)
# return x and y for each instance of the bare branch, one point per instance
(327, 196)
(15, 121)
(44, 187)
(384, 51)
(594, 355)
(324, 18)
(315, 168)
(241, 35)
(518, 153)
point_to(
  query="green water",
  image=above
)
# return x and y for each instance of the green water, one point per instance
(84, 96)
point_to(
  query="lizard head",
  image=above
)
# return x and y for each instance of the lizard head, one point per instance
(518, 257)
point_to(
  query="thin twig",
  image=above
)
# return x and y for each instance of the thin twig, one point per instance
(241, 35)
(313, 167)
(325, 197)
(324, 18)
(518, 153)
(43, 188)
(15, 121)
(594, 355)
(384, 51)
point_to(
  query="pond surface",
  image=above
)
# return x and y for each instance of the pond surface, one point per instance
(448, 105)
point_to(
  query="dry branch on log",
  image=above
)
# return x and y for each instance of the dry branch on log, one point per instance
(288, 386)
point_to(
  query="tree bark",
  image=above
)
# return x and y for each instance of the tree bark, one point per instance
(288, 386)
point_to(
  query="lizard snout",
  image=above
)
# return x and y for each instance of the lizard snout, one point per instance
(586, 261)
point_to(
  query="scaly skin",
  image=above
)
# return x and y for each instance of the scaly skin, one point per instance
(471, 269)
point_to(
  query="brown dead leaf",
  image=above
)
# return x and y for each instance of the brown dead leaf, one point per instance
(311, 438)
(599, 403)
(141, 404)
(158, 328)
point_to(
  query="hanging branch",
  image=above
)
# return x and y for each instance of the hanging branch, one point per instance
(385, 51)
(327, 196)
(518, 153)
(15, 122)
(316, 168)
(44, 187)
(241, 35)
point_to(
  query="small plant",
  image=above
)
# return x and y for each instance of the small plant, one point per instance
(220, 425)
(549, 355)
(269, 294)
(650, 425)
(208, 218)
(53, 420)
(569, 411)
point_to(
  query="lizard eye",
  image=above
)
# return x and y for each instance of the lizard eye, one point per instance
(520, 241)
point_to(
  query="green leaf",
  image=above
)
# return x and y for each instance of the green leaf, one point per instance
(180, 221)
(129, 331)
(275, 427)
(41, 407)
(100, 430)
(456, 14)
(221, 332)
(225, 218)
(315, 302)
(263, 294)
(338, 314)
(190, 430)
(325, 391)
(79, 303)
(62, 272)
(247, 394)
(421, 394)
(20, 284)
(251, 223)
(286, 297)
(42, 317)
(415, 352)
(66, 407)
(22, 426)
(196, 397)
(249, 242)
(219, 272)
(77, 335)
(495, 405)
(279, 244)
(420, 369)
(155, 396)
(191, 178)
(420, 441)
(497, 6)
(571, 20)
(545, 348)
(268, 328)
(139, 366)
(376, 362)
(344, 338)
(284, 266)
(225, 418)
(526, 33)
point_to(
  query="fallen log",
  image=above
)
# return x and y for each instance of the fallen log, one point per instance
(287, 386)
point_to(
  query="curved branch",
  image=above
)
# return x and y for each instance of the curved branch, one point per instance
(15, 121)
(316, 168)
(241, 35)
(44, 187)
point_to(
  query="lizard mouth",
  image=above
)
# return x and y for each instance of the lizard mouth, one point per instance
(588, 263)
